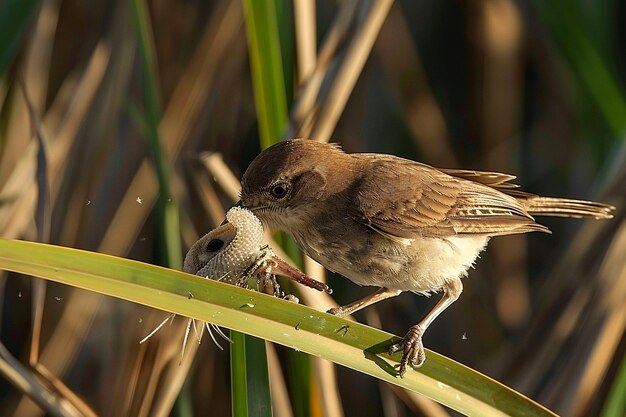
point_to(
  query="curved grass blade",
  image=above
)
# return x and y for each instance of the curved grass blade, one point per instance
(346, 343)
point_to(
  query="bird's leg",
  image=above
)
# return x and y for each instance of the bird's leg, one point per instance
(411, 344)
(381, 294)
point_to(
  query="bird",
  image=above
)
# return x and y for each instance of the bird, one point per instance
(396, 224)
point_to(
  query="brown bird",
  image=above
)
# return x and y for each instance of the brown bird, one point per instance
(393, 223)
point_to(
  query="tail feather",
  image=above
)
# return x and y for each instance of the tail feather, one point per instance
(564, 207)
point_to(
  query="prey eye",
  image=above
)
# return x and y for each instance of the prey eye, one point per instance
(279, 189)
(214, 245)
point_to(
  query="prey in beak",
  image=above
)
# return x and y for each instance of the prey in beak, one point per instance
(234, 253)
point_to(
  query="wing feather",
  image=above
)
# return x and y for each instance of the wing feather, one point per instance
(405, 199)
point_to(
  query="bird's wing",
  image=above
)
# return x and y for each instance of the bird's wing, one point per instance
(498, 180)
(404, 199)
(492, 179)
(532, 203)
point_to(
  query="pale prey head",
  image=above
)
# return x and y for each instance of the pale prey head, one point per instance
(225, 253)
(234, 252)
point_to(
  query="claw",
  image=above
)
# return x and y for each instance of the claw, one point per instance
(413, 348)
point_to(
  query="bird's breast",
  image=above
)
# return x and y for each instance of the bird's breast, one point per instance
(368, 258)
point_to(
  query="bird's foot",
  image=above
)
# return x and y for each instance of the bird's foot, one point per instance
(413, 349)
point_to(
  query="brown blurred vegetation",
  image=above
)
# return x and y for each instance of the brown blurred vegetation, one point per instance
(530, 88)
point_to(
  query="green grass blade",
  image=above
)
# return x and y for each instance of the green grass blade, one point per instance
(268, 79)
(266, 69)
(300, 382)
(299, 366)
(615, 405)
(579, 48)
(16, 17)
(249, 388)
(166, 209)
(346, 343)
(286, 38)
(184, 403)
(238, 375)
(259, 398)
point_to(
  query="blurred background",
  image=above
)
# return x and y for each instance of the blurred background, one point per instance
(125, 125)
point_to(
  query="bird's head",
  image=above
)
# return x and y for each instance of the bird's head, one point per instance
(287, 182)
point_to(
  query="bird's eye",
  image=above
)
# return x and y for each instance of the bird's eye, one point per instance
(280, 189)
(214, 245)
